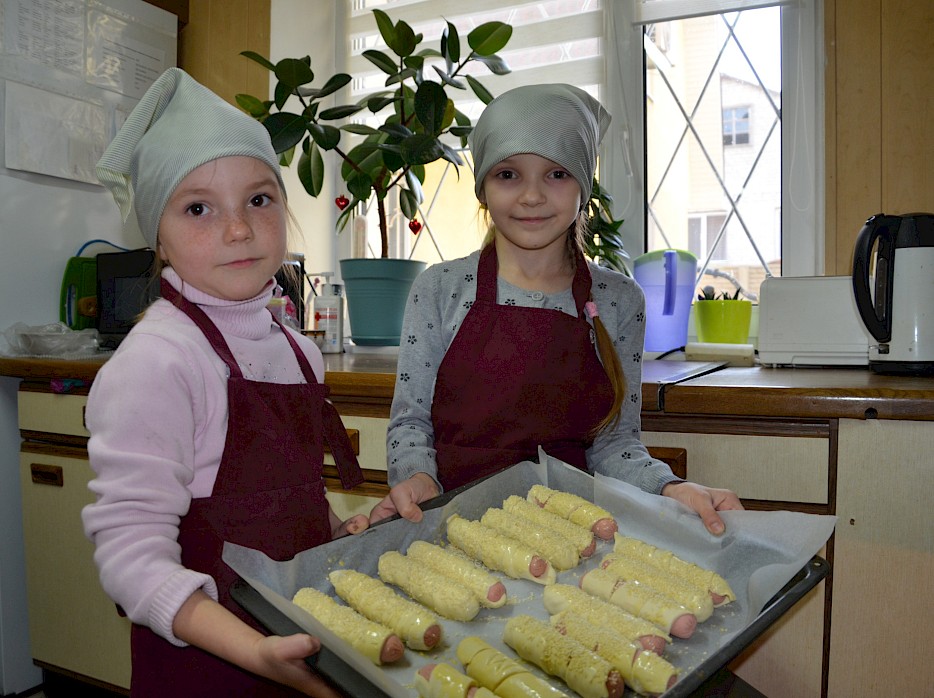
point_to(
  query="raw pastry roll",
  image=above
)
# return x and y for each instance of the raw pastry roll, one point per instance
(418, 627)
(374, 641)
(499, 552)
(437, 592)
(563, 597)
(557, 550)
(489, 590)
(501, 674)
(575, 509)
(585, 672)
(582, 538)
(642, 601)
(643, 671)
(692, 597)
(444, 681)
(717, 586)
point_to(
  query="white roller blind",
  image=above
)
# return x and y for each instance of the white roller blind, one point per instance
(552, 40)
(649, 11)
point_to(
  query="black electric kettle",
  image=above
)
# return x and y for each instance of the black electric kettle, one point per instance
(896, 303)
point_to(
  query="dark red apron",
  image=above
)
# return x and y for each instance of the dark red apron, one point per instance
(515, 378)
(269, 495)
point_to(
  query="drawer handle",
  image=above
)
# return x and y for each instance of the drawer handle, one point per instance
(47, 474)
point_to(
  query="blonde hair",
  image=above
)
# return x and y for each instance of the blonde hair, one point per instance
(605, 349)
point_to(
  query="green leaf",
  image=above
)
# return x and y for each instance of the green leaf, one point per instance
(496, 64)
(448, 80)
(461, 118)
(360, 185)
(334, 83)
(252, 106)
(381, 61)
(400, 76)
(405, 40)
(281, 94)
(325, 136)
(285, 130)
(451, 43)
(359, 129)
(478, 89)
(421, 149)
(253, 56)
(396, 130)
(386, 28)
(414, 185)
(294, 72)
(375, 104)
(489, 38)
(416, 63)
(461, 131)
(392, 157)
(451, 155)
(311, 170)
(431, 103)
(341, 112)
(408, 203)
(367, 158)
(285, 158)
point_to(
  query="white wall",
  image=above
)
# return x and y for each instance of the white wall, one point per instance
(298, 29)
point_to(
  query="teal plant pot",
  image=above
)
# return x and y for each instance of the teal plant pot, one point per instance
(376, 291)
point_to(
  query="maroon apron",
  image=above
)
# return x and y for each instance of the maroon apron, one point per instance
(269, 495)
(515, 378)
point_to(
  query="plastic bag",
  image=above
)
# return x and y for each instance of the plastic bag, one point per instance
(55, 340)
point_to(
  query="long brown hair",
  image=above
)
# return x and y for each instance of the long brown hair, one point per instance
(605, 349)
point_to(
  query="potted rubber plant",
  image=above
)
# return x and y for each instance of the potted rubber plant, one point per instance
(419, 126)
(722, 319)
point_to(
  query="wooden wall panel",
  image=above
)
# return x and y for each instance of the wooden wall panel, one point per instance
(879, 85)
(211, 42)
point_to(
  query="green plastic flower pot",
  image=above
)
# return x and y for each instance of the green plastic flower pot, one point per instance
(722, 321)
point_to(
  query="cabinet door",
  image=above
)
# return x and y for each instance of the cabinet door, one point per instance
(883, 560)
(786, 660)
(372, 458)
(73, 625)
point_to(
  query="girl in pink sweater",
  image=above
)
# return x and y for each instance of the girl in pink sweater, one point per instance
(209, 422)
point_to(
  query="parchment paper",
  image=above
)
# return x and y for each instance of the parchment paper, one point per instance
(759, 553)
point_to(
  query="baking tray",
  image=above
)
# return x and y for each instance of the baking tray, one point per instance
(700, 679)
(695, 683)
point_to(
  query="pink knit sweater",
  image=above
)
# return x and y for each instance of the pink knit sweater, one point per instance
(157, 413)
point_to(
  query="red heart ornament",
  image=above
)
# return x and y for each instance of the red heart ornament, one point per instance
(414, 226)
(341, 202)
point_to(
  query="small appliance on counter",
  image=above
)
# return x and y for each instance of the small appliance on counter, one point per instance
(810, 321)
(893, 283)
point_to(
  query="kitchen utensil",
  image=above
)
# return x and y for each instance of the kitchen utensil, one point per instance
(893, 282)
(667, 278)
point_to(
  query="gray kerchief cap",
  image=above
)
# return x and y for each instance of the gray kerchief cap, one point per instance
(175, 128)
(556, 121)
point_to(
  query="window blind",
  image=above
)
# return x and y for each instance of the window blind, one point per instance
(552, 41)
(649, 11)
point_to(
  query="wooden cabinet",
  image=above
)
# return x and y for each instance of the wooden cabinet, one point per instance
(883, 560)
(74, 627)
(770, 464)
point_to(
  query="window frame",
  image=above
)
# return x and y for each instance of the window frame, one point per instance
(623, 163)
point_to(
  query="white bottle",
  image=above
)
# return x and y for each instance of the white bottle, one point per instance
(328, 315)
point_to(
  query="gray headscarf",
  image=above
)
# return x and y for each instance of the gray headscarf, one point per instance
(175, 128)
(559, 122)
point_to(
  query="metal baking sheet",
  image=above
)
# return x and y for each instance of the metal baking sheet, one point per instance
(766, 556)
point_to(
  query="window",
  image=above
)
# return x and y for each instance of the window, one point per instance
(721, 114)
(736, 126)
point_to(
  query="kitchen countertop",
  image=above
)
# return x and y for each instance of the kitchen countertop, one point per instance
(670, 387)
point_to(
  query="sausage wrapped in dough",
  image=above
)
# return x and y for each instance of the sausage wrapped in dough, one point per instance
(559, 551)
(489, 590)
(576, 510)
(444, 681)
(717, 586)
(580, 537)
(644, 672)
(563, 597)
(499, 552)
(580, 668)
(501, 674)
(691, 596)
(666, 613)
(439, 593)
(374, 641)
(418, 627)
